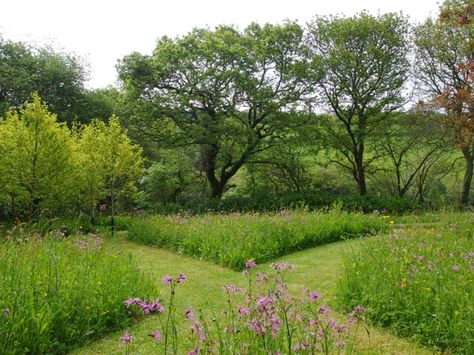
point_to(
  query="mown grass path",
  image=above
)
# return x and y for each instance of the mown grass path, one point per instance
(316, 269)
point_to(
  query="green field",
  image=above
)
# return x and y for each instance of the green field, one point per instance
(433, 309)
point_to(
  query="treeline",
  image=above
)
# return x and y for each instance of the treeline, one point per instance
(362, 105)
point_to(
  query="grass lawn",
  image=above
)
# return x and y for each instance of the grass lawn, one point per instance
(316, 269)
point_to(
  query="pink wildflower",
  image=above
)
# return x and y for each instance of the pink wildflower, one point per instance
(250, 264)
(323, 310)
(167, 280)
(313, 296)
(243, 312)
(189, 314)
(126, 338)
(156, 335)
(282, 266)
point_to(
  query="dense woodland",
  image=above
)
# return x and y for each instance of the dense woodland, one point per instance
(373, 112)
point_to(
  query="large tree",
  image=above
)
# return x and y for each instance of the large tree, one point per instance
(229, 93)
(445, 67)
(365, 65)
(57, 77)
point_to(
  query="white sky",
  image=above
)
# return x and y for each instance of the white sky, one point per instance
(103, 31)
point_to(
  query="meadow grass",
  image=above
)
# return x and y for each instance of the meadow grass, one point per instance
(315, 268)
(56, 294)
(230, 240)
(418, 281)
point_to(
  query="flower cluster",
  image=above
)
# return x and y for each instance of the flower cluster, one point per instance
(147, 307)
(263, 317)
(89, 242)
(168, 280)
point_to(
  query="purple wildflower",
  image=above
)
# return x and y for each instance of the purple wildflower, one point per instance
(275, 324)
(231, 289)
(323, 310)
(195, 351)
(189, 314)
(132, 301)
(167, 280)
(241, 311)
(302, 346)
(282, 266)
(155, 306)
(456, 267)
(255, 326)
(341, 344)
(126, 338)
(156, 335)
(250, 264)
(262, 277)
(263, 302)
(181, 278)
(313, 296)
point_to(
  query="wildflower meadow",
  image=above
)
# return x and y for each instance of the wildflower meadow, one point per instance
(232, 239)
(417, 281)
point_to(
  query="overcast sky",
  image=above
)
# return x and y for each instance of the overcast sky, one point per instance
(102, 31)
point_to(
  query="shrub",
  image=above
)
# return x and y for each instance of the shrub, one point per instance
(273, 203)
(56, 294)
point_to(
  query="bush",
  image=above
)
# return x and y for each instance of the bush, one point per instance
(232, 239)
(272, 203)
(418, 282)
(56, 294)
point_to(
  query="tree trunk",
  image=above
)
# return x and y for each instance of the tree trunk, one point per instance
(112, 211)
(360, 173)
(217, 190)
(209, 154)
(466, 184)
(361, 185)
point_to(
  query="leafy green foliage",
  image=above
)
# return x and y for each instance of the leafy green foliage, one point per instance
(110, 163)
(57, 77)
(35, 160)
(46, 167)
(232, 94)
(364, 64)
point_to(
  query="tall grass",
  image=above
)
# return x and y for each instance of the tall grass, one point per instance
(419, 282)
(56, 294)
(231, 240)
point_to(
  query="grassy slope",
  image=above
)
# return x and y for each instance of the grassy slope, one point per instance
(315, 269)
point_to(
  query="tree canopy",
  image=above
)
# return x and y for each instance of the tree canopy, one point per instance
(57, 77)
(231, 94)
(365, 66)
